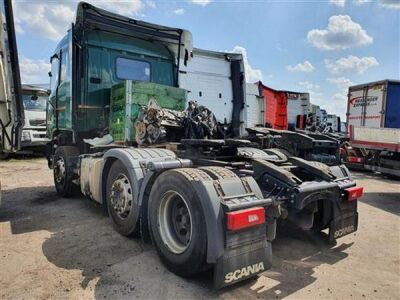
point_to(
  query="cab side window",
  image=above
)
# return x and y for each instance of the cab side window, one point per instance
(64, 65)
(55, 62)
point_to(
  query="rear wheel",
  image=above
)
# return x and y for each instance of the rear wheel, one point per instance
(177, 224)
(121, 205)
(63, 170)
(322, 216)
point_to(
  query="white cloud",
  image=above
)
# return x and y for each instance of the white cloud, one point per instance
(122, 7)
(334, 103)
(179, 11)
(201, 2)
(351, 63)
(52, 19)
(339, 98)
(34, 70)
(308, 85)
(395, 4)
(18, 28)
(252, 75)
(151, 4)
(342, 33)
(337, 105)
(342, 83)
(306, 66)
(316, 96)
(360, 2)
(340, 3)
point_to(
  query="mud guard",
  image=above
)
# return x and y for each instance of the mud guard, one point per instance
(135, 161)
(240, 263)
(236, 255)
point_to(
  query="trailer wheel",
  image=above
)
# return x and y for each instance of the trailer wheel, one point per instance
(120, 200)
(63, 171)
(177, 224)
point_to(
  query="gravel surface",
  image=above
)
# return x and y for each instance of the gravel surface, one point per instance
(52, 247)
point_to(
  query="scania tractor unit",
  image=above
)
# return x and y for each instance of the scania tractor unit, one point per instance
(130, 128)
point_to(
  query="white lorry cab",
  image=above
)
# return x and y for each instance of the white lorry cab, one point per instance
(33, 136)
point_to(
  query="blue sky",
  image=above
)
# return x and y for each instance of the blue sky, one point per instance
(320, 47)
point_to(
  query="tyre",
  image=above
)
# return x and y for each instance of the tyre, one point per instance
(322, 216)
(63, 171)
(4, 155)
(121, 204)
(177, 224)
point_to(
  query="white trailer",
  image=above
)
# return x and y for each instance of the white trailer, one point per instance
(253, 113)
(334, 122)
(373, 120)
(316, 111)
(211, 80)
(298, 104)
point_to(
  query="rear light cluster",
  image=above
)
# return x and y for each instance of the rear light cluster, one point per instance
(355, 159)
(354, 193)
(245, 218)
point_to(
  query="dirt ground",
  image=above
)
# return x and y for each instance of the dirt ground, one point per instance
(52, 247)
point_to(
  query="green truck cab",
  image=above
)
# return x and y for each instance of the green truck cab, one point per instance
(95, 56)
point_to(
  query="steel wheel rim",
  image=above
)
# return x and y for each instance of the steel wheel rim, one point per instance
(175, 222)
(59, 170)
(121, 196)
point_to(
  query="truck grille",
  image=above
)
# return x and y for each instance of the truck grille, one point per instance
(39, 135)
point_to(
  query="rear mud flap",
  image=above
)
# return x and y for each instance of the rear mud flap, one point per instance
(342, 226)
(242, 263)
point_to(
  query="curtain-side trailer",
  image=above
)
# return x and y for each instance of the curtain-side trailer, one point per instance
(373, 120)
(11, 107)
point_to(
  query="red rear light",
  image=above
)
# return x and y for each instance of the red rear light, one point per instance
(244, 218)
(355, 159)
(354, 193)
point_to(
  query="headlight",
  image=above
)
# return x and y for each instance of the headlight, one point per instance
(26, 136)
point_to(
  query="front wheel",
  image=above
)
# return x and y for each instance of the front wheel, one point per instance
(177, 224)
(63, 170)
